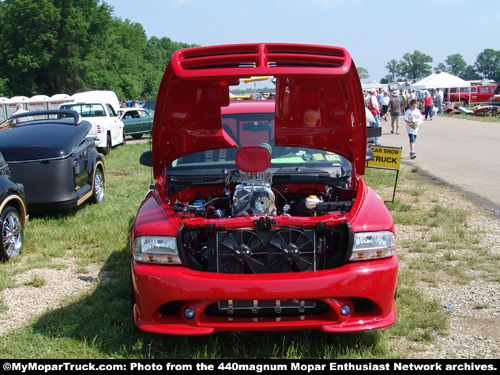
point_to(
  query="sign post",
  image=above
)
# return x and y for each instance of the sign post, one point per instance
(387, 158)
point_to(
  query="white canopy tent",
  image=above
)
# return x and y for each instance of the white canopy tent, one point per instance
(420, 85)
(442, 80)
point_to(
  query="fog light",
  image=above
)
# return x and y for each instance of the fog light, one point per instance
(345, 310)
(189, 313)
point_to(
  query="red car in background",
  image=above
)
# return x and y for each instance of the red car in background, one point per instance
(472, 94)
(259, 218)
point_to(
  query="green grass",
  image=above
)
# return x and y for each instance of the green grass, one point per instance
(98, 324)
(36, 281)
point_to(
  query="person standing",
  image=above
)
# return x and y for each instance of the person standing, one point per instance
(395, 109)
(374, 108)
(413, 118)
(380, 96)
(428, 105)
(404, 101)
(420, 98)
(367, 98)
(385, 105)
(19, 110)
(439, 96)
(413, 95)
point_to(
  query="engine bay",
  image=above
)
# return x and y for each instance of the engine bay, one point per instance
(254, 194)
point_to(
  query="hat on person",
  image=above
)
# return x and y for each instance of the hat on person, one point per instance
(395, 93)
(373, 90)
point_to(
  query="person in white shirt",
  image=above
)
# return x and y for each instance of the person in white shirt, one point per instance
(439, 97)
(20, 109)
(385, 105)
(374, 108)
(413, 118)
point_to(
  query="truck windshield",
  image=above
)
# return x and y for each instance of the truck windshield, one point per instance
(86, 110)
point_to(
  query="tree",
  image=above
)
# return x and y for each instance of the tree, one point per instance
(415, 65)
(456, 65)
(68, 46)
(440, 68)
(470, 73)
(58, 47)
(488, 64)
(157, 55)
(363, 73)
(394, 71)
(24, 54)
(412, 66)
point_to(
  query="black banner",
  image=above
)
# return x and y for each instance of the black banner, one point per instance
(249, 366)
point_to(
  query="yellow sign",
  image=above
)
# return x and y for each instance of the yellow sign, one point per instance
(386, 157)
(253, 79)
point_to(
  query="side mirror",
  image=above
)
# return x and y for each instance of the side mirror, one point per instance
(146, 159)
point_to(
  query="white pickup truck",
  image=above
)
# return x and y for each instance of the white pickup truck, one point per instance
(99, 108)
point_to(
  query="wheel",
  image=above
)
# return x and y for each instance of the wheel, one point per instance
(463, 102)
(137, 136)
(11, 229)
(98, 186)
(106, 149)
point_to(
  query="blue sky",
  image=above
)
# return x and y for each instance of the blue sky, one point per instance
(374, 32)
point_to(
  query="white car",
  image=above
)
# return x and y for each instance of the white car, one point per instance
(107, 128)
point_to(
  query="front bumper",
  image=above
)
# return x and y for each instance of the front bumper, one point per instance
(163, 293)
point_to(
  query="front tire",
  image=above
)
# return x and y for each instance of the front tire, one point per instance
(11, 232)
(98, 186)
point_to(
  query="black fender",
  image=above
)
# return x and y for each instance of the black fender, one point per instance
(95, 159)
(12, 194)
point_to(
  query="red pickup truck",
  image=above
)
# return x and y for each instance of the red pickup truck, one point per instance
(472, 94)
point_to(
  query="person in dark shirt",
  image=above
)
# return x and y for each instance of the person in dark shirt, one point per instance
(395, 109)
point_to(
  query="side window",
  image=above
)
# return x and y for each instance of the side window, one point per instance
(111, 110)
(485, 89)
(95, 110)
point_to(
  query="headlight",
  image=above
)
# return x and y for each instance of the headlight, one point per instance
(156, 249)
(373, 245)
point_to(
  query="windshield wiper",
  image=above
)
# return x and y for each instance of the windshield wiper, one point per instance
(302, 171)
(195, 180)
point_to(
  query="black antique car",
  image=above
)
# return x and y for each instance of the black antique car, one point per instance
(13, 216)
(51, 154)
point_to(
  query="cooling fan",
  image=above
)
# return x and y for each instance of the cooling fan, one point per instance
(242, 252)
(291, 250)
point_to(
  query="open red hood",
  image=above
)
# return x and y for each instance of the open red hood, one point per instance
(319, 100)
